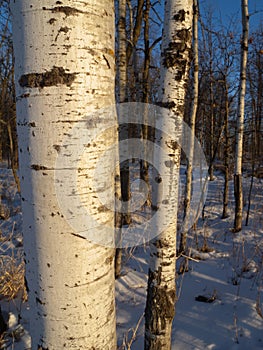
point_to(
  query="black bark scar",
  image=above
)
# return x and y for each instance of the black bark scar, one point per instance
(67, 10)
(38, 167)
(56, 76)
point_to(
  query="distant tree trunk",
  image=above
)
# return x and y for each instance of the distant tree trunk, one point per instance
(133, 34)
(240, 120)
(252, 159)
(144, 166)
(212, 117)
(259, 109)
(161, 291)
(118, 226)
(147, 51)
(123, 181)
(254, 108)
(65, 69)
(189, 173)
(136, 30)
(122, 97)
(121, 58)
(226, 153)
(146, 132)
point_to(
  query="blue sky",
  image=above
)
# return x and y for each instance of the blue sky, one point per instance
(230, 8)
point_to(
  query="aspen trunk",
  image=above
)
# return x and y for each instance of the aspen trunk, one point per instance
(161, 292)
(144, 166)
(187, 203)
(240, 120)
(64, 67)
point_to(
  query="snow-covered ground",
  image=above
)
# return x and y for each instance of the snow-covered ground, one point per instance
(226, 270)
(219, 299)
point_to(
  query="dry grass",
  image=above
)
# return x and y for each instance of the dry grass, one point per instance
(11, 278)
(130, 336)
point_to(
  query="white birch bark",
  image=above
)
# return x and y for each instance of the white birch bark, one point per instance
(240, 119)
(161, 293)
(191, 142)
(64, 67)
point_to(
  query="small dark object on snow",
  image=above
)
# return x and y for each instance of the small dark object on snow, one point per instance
(3, 325)
(204, 299)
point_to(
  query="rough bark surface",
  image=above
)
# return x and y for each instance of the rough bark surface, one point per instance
(161, 292)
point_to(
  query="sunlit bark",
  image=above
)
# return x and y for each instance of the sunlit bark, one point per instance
(240, 120)
(64, 71)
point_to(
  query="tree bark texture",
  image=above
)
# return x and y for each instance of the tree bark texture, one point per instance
(64, 67)
(175, 58)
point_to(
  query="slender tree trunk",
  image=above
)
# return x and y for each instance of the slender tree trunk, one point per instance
(136, 29)
(144, 166)
(118, 226)
(123, 180)
(147, 51)
(187, 202)
(64, 67)
(212, 117)
(253, 143)
(258, 122)
(240, 120)
(161, 291)
(122, 97)
(252, 161)
(226, 154)
(122, 44)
